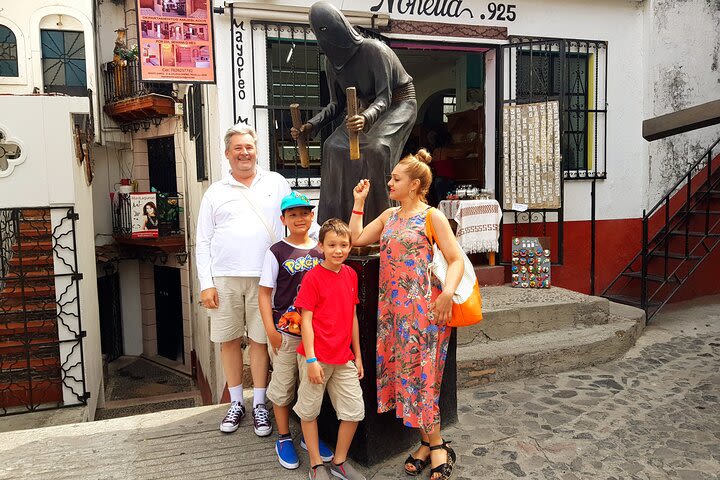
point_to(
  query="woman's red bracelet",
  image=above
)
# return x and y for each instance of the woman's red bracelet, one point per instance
(356, 212)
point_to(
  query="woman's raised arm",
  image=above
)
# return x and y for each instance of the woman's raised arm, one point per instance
(359, 235)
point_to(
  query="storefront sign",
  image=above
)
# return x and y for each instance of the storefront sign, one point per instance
(502, 12)
(239, 70)
(531, 156)
(176, 41)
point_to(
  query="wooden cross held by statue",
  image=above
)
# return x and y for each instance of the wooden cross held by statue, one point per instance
(352, 110)
(301, 144)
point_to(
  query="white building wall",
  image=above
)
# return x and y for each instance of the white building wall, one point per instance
(51, 176)
(683, 70)
(206, 351)
(26, 19)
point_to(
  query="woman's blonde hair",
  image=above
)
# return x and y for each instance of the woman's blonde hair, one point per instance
(417, 168)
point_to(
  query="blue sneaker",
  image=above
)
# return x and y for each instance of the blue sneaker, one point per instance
(325, 453)
(287, 456)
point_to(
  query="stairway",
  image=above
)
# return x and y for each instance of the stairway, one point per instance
(30, 365)
(678, 234)
(528, 332)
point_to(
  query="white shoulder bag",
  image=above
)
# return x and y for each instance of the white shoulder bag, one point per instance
(467, 302)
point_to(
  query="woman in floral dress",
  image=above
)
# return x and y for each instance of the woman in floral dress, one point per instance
(412, 338)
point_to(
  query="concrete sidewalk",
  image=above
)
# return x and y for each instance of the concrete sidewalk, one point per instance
(654, 414)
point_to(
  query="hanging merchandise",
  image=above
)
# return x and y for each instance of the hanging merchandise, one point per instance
(530, 266)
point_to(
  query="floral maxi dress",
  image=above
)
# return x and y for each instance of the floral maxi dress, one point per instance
(411, 347)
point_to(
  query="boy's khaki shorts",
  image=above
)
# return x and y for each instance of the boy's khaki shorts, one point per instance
(283, 383)
(343, 387)
(238, 312)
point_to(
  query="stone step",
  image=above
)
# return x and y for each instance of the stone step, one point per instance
(490, 275)
(550, 351)
(140, 406)
(509, 312)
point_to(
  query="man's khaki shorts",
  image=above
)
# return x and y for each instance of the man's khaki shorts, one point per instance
(343, 387)
(238, 313)
(283, 383)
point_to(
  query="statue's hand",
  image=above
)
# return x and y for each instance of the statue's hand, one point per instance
(306, 130)
(361, 190)
(355, 123)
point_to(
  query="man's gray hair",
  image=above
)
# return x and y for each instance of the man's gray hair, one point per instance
(239, 129)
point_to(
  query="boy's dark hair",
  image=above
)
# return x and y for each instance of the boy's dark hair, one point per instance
(337, 226)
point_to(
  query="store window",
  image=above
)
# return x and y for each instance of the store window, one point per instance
(63, 61)
(573, 73)
(8, 53)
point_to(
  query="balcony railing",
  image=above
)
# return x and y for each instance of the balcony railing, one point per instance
(123, 82)
(128, 216)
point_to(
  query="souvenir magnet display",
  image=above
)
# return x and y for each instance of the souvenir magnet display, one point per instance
(532, 261)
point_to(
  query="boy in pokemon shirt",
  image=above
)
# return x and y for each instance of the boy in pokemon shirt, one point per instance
(286, 262)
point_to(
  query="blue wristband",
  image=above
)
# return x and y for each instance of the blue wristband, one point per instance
(311, 360)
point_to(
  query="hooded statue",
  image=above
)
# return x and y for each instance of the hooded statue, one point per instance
(387, 105)
(337, 38)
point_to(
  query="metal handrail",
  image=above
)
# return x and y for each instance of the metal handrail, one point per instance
(682, 215)
(660, 239)
(688, 175)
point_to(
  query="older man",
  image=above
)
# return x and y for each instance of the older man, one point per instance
(238, 221)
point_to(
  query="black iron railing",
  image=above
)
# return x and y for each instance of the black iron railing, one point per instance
(678, 233)
(122, 81)
(41, 348)
(125, 216)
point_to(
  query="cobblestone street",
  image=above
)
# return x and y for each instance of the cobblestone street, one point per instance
(654, 414)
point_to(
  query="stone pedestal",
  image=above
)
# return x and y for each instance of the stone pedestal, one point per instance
(381, 436)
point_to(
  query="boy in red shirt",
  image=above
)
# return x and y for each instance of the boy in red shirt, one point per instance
(330, 351)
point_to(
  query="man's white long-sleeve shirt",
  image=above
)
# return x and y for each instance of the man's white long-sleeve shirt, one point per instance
(231, 240)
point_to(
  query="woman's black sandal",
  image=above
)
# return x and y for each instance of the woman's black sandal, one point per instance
(444, 469)
(418, 463)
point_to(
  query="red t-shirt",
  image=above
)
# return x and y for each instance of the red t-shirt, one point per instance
(332, 298)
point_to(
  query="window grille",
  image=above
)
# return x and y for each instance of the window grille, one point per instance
(63, 60)
(8, 53)
(573, 72)
(296, 74)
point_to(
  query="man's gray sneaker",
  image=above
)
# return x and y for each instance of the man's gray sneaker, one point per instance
(345, 471)
(319, 473)
(231, 422)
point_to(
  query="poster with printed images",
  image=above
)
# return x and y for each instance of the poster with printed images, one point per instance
(176, 41)
(144, 217)
(531, 156)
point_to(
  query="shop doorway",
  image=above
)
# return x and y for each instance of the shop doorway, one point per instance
(111, 337)
(168, 313)
(450, 91)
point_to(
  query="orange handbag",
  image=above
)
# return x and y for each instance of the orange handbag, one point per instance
(467, 302)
